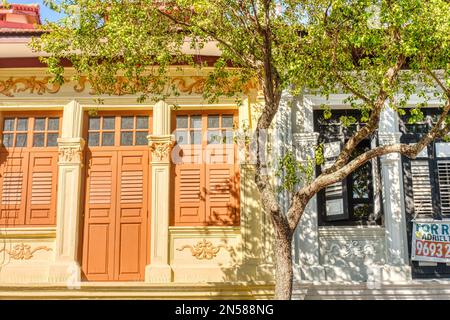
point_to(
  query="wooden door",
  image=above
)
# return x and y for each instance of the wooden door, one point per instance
(115, 238)
(100, 216)
(132, 212)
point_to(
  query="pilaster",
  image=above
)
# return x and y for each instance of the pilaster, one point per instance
(160, 143)
(255, 264)
(256, 229)
(306, 237)
(68, 210)
(397, 262)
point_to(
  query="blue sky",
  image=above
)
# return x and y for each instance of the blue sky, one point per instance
(46, 13)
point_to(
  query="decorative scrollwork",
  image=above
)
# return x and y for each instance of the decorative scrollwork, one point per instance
(70, 154)
(15, 85)
(352, 249)
(189, 85)
(161, 150)
(195, 86)
(23, 251)
(204, 249)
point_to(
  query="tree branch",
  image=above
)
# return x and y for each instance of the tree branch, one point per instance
(370, 127)
(302, 197)
(244, 59)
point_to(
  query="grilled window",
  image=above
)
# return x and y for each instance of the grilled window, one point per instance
(444, 185)
(426, 178)
(354, 200)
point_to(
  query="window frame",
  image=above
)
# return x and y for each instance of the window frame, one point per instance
(31, 118)
(117, 130)
(347, 218)
(203, 150)
(434, 176)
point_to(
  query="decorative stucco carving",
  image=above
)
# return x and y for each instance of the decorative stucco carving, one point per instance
(160, 146)
(12, 85)
(161, 150)
(350, 250)
(70, 154)
(204, 249)
(195, 85)
(23, 251)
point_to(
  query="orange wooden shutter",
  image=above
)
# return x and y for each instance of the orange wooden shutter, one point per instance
(42, 181)
(98, 251)
(189, 194)
(131, 233)
(222, 185)
(13, 182)
(206, 177)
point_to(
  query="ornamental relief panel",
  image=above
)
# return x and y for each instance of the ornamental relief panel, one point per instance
(351, 252)
(161, 150)
(23, 251)
(354, 249)
(70, 154)
(33, 85)
(205, 249)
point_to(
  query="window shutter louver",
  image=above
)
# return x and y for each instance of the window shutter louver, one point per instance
(221, 197)
(13, 180)
(100, 216)
(335, 200)
(189, 196)
(41, 206)
(443, 170)
(131, 216)
(444, 185)
(421, 186)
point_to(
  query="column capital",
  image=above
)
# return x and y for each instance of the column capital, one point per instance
(70, 151)
(305, 138)
(387, 138)
(161, 145)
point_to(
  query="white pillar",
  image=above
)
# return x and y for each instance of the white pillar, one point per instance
(397, 261)
(68, 209)
(160, 143)
(306, 237)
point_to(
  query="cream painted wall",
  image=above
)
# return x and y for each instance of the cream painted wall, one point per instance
(241, 251)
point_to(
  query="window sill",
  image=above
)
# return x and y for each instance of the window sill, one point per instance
(27, 232)
(366, 231)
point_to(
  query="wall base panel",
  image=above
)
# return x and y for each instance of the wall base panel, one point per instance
(122, 290)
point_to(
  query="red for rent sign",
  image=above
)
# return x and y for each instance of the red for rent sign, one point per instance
(431, 241)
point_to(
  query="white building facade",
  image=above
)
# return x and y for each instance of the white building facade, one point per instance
(354, 239)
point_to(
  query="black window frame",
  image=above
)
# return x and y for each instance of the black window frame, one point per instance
(440, 270)
(348, 217)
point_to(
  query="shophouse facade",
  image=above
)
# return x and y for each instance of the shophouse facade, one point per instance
(147, 200)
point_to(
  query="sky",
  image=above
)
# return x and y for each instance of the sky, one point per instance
(46, 13)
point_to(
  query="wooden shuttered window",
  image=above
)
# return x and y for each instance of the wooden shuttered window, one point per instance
(421, 187)
(444, 185)
(206, 175)
(427, 181)
(336, 207)
(28, 169)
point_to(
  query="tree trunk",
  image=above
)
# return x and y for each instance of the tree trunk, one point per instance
(283, 266)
